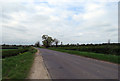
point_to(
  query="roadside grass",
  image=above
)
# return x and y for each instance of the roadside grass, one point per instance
(99, 56)
(8, 49)
(17, 67)
(41, 47)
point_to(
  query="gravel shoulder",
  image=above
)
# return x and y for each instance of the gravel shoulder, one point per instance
(38, 69)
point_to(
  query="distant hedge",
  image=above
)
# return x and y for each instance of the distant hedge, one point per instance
(106, 49)
(6, 47)
(8, 53)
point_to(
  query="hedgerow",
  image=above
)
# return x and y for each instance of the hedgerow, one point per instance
(113, 49)
(8, 53)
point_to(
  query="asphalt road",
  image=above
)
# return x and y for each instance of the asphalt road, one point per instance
(66, 66)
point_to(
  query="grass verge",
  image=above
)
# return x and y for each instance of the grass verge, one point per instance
(99, 56)
(17, 67)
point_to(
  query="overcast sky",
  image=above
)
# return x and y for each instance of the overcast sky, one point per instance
(70, 21)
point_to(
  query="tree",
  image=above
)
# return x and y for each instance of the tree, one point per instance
(37, 44)
(47, 41)
(56, 41)
(61, 43)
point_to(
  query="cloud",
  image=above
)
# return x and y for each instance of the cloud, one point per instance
(21, 29)
(73, 21)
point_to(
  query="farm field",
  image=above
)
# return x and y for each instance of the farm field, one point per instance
(16, 63)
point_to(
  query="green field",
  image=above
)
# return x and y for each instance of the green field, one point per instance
(17, 67)
(99, 56)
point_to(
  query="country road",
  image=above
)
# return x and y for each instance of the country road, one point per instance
(66, 66)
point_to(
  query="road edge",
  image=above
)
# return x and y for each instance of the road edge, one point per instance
(48, 74)
(43, 72)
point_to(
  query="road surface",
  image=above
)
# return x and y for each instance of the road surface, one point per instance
(66, 66)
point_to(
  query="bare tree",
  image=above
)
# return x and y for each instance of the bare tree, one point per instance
(56, 41)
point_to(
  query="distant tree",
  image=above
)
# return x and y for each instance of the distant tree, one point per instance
(37, 44)
(4, 45)
(56, 41)
(77, 44)
(47, 41)
(61, 43)
(68, 44)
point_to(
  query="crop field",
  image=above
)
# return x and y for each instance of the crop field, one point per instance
(16, 63)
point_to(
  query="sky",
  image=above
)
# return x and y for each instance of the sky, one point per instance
(69, 21)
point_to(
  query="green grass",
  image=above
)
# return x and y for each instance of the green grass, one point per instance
(17, 67)
(99, 56)
(8, 49)
(41, 47)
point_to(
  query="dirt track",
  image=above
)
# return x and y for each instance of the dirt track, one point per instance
(38, 69)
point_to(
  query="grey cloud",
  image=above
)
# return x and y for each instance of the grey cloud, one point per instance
(112, 30)
(5, 16)
(36, 19)
(18, 28)
(104, 25)
(12, 7)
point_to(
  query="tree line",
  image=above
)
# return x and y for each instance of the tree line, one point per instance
(50, 42)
